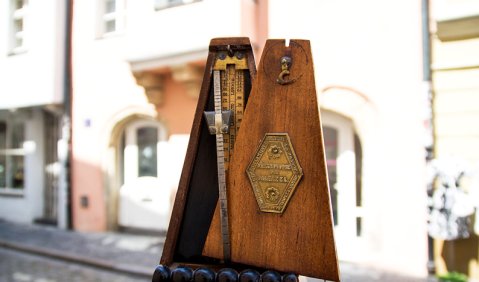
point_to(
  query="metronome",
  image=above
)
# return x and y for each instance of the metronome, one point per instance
(253, 195)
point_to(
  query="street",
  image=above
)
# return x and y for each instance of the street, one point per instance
(35, 253)
(21, 267)
(18, 266)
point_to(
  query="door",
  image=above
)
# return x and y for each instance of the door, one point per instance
(144, 198)
(52, 168)
(341, 148)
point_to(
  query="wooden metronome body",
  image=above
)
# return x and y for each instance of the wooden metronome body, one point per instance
(279, 209)
(197, 194)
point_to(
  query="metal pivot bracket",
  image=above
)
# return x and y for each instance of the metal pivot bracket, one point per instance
(218, 123)
(285, 65)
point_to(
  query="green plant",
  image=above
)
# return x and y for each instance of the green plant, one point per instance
(452, 277)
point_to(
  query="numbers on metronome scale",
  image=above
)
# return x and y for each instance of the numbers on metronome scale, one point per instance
(232, 93)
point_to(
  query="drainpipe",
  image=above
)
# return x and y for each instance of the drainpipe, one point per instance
(428, 112)
(64, 144)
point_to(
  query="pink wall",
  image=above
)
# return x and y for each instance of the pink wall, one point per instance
(178, 108)
(90, 179)
(254, 24)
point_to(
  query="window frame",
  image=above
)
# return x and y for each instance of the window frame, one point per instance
(118, 16)
(129, 150)
(8, 151)
(351, 218)
(140, 155)
(15, 14)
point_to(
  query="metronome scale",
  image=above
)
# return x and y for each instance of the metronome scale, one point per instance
(253, 195)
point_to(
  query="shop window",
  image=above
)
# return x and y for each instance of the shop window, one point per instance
(12, 136)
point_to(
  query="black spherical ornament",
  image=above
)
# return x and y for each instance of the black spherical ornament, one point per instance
(270, 276)
(182, 274)
(249, 275)
(290, 277)
(227, 275)
(204, 275)
(162, 274)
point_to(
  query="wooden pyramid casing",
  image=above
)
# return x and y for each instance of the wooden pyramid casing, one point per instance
(300, 240)
(197, 194)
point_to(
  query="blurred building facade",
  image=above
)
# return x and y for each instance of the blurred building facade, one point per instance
(455, 69)
(32, 61)
(137, 69)
(131, 127)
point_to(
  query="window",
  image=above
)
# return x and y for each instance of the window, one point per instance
(17, 25)
(147, 139)
(339, 164)
(358, 152)
(140, 150)
(12, 136)
(331, 147)
(112, 16)
(344, 164)
(164, 4)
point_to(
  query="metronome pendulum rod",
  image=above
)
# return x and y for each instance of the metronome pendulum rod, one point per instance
(220, 160)
(224, 122)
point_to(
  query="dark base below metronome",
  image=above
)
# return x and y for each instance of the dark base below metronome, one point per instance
(204, 274)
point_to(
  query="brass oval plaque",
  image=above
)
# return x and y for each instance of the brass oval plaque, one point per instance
(274, 172)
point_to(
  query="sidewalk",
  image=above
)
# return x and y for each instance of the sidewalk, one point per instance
(128, 253)
(132, 254)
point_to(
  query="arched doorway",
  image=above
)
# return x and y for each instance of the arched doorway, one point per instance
(344, 163)
(144, 198)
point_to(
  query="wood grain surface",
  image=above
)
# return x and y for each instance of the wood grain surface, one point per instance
(301, 239)
(197, 193)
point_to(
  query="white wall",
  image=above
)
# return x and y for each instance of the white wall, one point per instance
(99, 61)
(181, 30)
(374, 48)
(33, 77)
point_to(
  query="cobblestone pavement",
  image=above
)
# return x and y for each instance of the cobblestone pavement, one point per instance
(20, 267)
(105, 256)
(135, 253)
